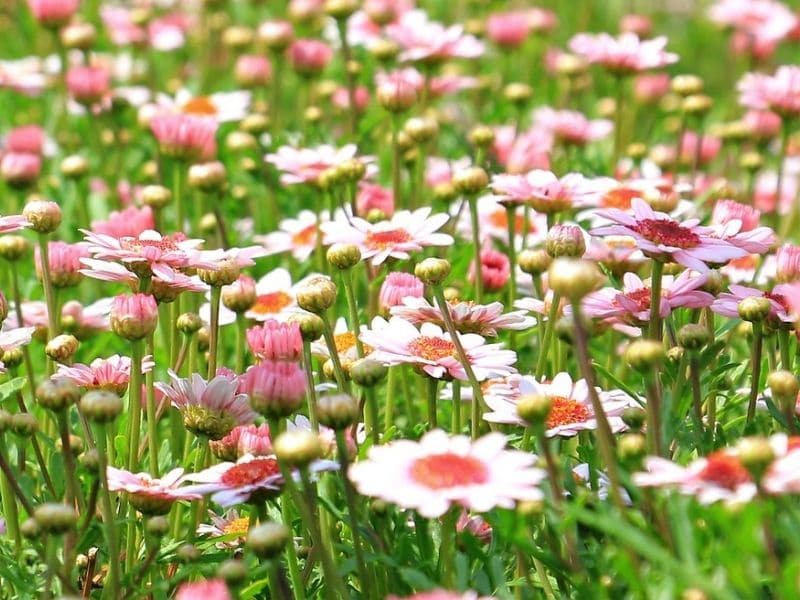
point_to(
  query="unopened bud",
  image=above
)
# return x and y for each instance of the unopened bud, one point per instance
(432, 271)
(317, 294)
(311, 326)
(565, 240)
(344, 256)
(61, 348)
(367, 373)
(754, 309)
(54, 517)
(297, 448)
(43, 215)
(693, 336)
(470, 181)
(573, 278)
(534, 408)
(337, 411)
(101, 406)
(57, 394)
(645, 355)
(268, 540)
(156, 196)
(756, 454)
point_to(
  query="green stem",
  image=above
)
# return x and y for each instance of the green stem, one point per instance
(456, 425)
(298, 586)
(756, 370)
(152, 419)
(49, 291)
(547, 339)
(388, 415)
(330, 341)
(241, 341)
(10, 510)
(311, 393)
(433, 393)
(352, 307)
(447, 549)
(476, 243)
(213, 334)
(134, 406)
(107, 510)
(511, 217)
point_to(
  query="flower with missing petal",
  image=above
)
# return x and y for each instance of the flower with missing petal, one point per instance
(440, 471)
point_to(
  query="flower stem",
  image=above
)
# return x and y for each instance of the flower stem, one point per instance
(398, 199)
(549, 329)
(756, 369)
(134, 406)
(152, 420)
(298, 586)
(352, 307)
(10, 510)
(433, 392)
(311, 393)
(447, 548)
(456, 424)
(106, 508)
(327, 333)
(213, 335)
(241, 341)
(476, 243)
(49, 291)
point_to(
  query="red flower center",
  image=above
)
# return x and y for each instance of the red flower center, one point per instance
(432, 348)
(271, 303)
(641, 297)
(667, 233)
(565, 411)
(380, 240)
(201, 105)
(250, 473)
(724, 470)
(619, 198)
(305, 236)
(447, 470)
(780, 299)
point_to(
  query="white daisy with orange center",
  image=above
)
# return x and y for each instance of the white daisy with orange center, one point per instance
(493, 217)
(441, 471)
(398, 237)
(570, 410)
(432, 350)
(297, 235)
(223, 107)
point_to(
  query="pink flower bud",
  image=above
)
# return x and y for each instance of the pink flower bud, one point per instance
(371, 197)
(253, 71)
(64, 260)
(88, 85)
(134, 316)
(309, 57)
(273, 340)
(507, 30)
(187, 137)
(641, 25)
(53, 13)
(397, 286)
(649, 88)
(19, 169)
(495, 269)
(726, 211)
(763, 124)
(28, 139)
(788, 267)
(276, 389)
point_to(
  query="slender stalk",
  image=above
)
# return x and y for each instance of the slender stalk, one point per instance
(327, 333)
(396, 158)
(107, 510)
(511, 217)
(341, 25)
(388, 415)
(654, 331)
(697, 400)
(49, 291)
(447, 548)
(134, 406)
(433, 393)
(10, 510)
(352, 307)
(73, 491)
(241, 341)
(756, 370)
(152, 418)
(786, 357)
(456, 424)
(476, 244)
(298, 586)
(547, 339)
(311, 393)
(653, 407)
(213, 334)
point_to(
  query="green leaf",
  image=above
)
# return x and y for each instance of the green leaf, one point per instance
(11, 387)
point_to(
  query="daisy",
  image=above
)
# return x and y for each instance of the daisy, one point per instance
(150, 253)
(571, 127)
(618, 254)
(544, 191)
(112, 373)
(429, 41)
(130, 222)
(82, 322)
(663, 238)
(763, 20)
(727, 303)
(397, 237)
(749, 269)
(12, 223)
(739, 224)
(519, 152)
(483, 319)
(493, 217)
(632, 303)
(210, 589)
(345, 341)
(305, 165)
(441, 471)
(571, 410)
(298, 235)
(437, 86)
(209, 408)
(624, 54)
(232, 527)
(779, 93)
(224, 107)
(432, 350)
(718, 476)
(150, 495)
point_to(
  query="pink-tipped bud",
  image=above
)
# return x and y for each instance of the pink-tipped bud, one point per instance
(276, 35)
(241, 295)
(641, 25)
(186, 137)
(276, 389)
(273, 340)
(253, 71)
(88, 85)
(396, 95)
(20, 169)
(65, 261)
(309, 57)
(397, 286)
(495, 269)
(29, 139)
(726, 211)
(508, 30)
(134, 317)
(53, 13)
(565, 240)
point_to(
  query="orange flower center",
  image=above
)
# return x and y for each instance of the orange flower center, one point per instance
(238, 526)
(306, 236)
(432, 348)
(499, 219)
(565, 411)
(250, 473)
(380, 240)
(442, 471)
(271, 303)
(745, 262)
(347, 340)
(724, 470)
(201, 105)
(619, 198)
(668, 233)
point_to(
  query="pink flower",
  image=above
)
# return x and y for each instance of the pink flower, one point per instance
(763, 124)
(168, 32)
(298, 235)
(151, 496)
(441, 595)
(661, 237)
(440, 471)
(763, 21)
(243, 439)
(624, 54)
(273, 340)
(29, 139)
(779, 93)
(341, 98)
(440, 170)
(211, 589)
(397, 237)
(309, 57)
(632, 303)
(53, 13)
(374, 197)
(468, 317)
(521, 153)
(544, 191)
(252, 70)
(739, 225)
(431, 350)
(495, 270)
(571, 127)
(641, 25)
(398, 286)
(766, 197)
(236, 483)
(187, 137)
(507, 30)
(20, 168)
(275, 388)
(64, 261)
(134, 316)
(305, 165)
(217, 399)
(651, 87)
(88, 85)
(788, 259)
(428, 41)
(708, 149)
(112, 373)
(437, 85)
(118, 22)
(130, 222)
(780, 300)
(152, 254)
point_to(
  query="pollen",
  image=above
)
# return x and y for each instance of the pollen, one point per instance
(201, 105)
(274, 302)
(432, 348)
(448, 470)
(566, 411)
(251, 473)
(238, 527)
(380, 240)
(724, 470)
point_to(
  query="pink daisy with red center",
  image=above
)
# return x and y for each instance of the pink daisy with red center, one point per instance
(483, 319)
(441, 471)
(112, 373)
(148, 494)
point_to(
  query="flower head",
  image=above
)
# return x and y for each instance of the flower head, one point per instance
(624, 54)
(468, 317)
(148, 494)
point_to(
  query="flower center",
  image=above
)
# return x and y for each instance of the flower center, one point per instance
(432, 348)
(724, 470)
(499, 219)
(667, 233)
(442, 471)
(380, 240)
(238, 526)
(780, 299)
(251, 473)
(305, 236)
(271, 303)
(137, 245)
(201, 105)
(641, 297)
(619, 198)
(346, 341)
(565, 411)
